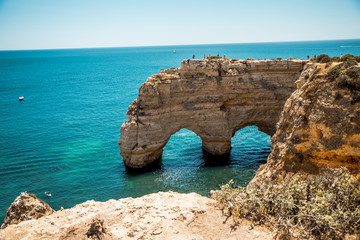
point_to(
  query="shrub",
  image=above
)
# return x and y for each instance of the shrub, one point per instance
(349, 63)
(334, 72)
(355, 97)
(335, 59)
(353, 73)
(349, 80)
(323, 207)
(323, 58)
(347, 57)
(357, 58)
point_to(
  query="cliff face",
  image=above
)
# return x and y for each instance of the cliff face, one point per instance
(211, 97)
(319, 125)
(155, 216)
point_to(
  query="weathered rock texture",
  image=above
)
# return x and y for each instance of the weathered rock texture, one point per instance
(211, 97)
(155, 216)
(319, 127)
(26, 207)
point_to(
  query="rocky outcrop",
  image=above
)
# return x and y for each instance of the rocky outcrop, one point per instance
(211, 97)
(319, 125)
(98, 230)
(156, 216)
(26, 207)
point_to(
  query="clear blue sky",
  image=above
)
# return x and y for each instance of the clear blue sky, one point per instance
(42, 24)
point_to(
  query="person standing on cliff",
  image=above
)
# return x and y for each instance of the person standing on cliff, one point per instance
(193, 56)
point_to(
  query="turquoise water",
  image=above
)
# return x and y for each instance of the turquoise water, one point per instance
(63, 137)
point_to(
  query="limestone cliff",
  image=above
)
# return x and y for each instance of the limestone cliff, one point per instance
(155, 216)
(211, 97)
(319, 125)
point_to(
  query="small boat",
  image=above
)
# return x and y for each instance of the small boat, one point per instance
(174, 51)
(48, 194)
(21, 98)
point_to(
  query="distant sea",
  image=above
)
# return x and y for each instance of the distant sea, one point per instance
(63, 137)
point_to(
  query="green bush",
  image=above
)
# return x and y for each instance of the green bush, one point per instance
(355, 95)
(334, 72)
(350, 63)
(353, 73)
(349, 80)
(323, 207)
(335, 59)
(347, 57)
(323, 58)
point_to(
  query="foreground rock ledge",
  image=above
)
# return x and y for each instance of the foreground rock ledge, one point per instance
(163, 215)
(211, 97)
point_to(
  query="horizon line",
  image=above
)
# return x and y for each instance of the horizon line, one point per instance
(170, 45)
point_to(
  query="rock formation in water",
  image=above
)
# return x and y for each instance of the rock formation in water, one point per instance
(319, 125)
(26, 207)
(156, 216)
(211, 97)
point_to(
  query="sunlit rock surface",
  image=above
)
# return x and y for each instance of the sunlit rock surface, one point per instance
(211, 97)
(26, 207)
(319, 127)
(155, 216)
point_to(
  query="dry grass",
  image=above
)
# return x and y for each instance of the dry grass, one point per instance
(324, 207)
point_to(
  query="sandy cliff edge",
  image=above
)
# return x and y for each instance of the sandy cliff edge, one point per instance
(163, 215)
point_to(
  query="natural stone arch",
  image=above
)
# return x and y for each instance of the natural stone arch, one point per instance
(211, 97)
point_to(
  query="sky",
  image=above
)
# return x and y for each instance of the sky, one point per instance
(52, 24)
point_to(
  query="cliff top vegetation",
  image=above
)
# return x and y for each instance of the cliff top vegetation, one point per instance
(325, 207)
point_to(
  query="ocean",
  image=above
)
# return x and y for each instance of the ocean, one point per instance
(63, 137)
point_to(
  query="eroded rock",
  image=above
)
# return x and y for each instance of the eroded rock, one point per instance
(319, 127)
(97, 230)
(211, 97)
(26, 207)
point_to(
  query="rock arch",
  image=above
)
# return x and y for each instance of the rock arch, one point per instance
(211, 97)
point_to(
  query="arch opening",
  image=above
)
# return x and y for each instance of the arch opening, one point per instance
(182, 149)
(250, 147)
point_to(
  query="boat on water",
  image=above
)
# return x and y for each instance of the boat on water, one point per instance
(174, 51)
(21, 98)
(48, 194)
